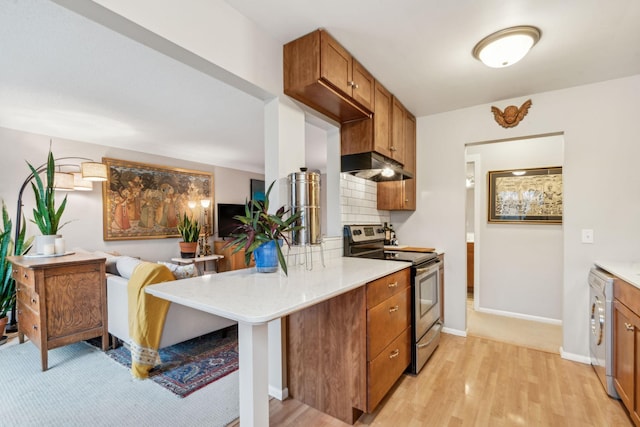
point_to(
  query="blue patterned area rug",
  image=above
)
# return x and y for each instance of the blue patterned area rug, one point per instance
(190, 365)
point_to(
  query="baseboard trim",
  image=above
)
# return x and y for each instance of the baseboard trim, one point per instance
(575, 357)
(452, 331)
(519, 316)
(278, 393)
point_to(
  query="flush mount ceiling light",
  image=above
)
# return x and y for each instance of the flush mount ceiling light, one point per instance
(506, 47)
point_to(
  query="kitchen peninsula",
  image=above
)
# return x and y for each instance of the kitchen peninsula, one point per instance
(253, 299)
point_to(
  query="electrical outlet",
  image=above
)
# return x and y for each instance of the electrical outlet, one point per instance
(587, 236)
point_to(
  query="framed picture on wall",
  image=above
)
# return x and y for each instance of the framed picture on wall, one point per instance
(257, 189)
(525, 195)
(143, 201)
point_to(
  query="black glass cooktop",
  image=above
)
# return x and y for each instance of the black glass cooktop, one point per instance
(414, 257)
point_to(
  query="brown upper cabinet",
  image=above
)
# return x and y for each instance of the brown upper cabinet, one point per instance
(373, 134)
(323, 75)
(401, 195)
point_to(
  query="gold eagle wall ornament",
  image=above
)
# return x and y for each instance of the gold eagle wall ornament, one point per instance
(512, 114)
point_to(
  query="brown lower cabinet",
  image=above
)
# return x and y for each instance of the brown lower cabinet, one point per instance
(343, 355)
(626, 346)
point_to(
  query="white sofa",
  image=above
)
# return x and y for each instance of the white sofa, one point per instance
(182, 323)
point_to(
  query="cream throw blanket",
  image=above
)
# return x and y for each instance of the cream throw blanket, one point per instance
(146, 316)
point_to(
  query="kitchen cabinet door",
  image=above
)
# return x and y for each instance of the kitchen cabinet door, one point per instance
(370, 135)
(625, 338)
(335, 63)
(362, 86)
(397, 195)
(398, 123)
(626, 346)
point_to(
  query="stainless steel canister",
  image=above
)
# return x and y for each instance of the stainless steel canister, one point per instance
(304, 193)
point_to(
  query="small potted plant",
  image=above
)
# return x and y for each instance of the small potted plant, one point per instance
(189, 229)
(45, 214)
(7, 284)
(261, 234)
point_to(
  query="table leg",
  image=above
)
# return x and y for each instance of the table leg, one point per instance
(254, 381)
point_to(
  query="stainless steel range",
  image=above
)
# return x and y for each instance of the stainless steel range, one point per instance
(367, 241)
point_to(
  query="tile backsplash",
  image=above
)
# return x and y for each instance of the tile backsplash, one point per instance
(358, 205)
(358, 201)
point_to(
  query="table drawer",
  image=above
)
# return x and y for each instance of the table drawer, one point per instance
(386, 321)
(29, 324)
(27, 296)
(385, 287)
(24, 275)
(385, 369)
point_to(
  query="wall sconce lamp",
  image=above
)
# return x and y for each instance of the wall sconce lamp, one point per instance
(507, 46)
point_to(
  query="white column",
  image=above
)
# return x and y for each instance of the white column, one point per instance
(284, 130)
(254, 388)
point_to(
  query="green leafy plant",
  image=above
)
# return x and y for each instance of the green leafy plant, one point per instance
(7, 284)
(45, 214)
(189, 228)
(259, 226)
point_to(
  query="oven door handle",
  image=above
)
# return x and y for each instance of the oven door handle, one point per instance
(425, 270)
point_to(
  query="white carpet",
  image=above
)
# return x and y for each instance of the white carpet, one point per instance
(84, 387)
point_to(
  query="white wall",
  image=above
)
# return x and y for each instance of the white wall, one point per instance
(84, 209)
(601, 128)
(521, 272)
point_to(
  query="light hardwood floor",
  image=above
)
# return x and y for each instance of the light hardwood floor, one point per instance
(480, 382)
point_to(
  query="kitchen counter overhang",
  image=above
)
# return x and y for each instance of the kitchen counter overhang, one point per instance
(255, 298)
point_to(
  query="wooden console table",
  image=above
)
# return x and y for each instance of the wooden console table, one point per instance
(60, 300)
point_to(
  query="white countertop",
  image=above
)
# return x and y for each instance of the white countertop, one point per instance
(251, 297)
(627, 271)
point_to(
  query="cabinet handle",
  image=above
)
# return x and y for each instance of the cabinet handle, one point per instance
(355, 86)
(392, 148)
(35, 327)
(392, 309)
(629, 326)
(351, 83)
(394, 353)
(393, 285)
(33, 300)
(26, 275)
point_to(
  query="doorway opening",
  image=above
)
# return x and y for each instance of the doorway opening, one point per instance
(515, 269)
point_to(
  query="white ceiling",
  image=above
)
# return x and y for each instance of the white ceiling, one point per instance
(64, 76)
(421, 49)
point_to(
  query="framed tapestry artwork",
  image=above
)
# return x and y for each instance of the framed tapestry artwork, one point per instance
(526, 195)
(142, 201)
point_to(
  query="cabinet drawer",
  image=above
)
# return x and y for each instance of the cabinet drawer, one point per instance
(27, 296)
(29, 324)
(386, 321)
(627, 294)
(24, 275)
(385, 369)
(385, 287)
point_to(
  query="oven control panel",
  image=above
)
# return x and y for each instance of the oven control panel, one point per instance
(364, 233)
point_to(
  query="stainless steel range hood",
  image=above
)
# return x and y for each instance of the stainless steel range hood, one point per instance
(373, 166)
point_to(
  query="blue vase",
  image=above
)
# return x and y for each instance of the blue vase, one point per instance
(266, 256)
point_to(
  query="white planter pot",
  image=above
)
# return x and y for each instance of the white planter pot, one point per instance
(43, 242)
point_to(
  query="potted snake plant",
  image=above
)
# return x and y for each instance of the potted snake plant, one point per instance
(45, 214)
(189, 229)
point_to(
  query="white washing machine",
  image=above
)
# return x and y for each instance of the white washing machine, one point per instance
(601, 326)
